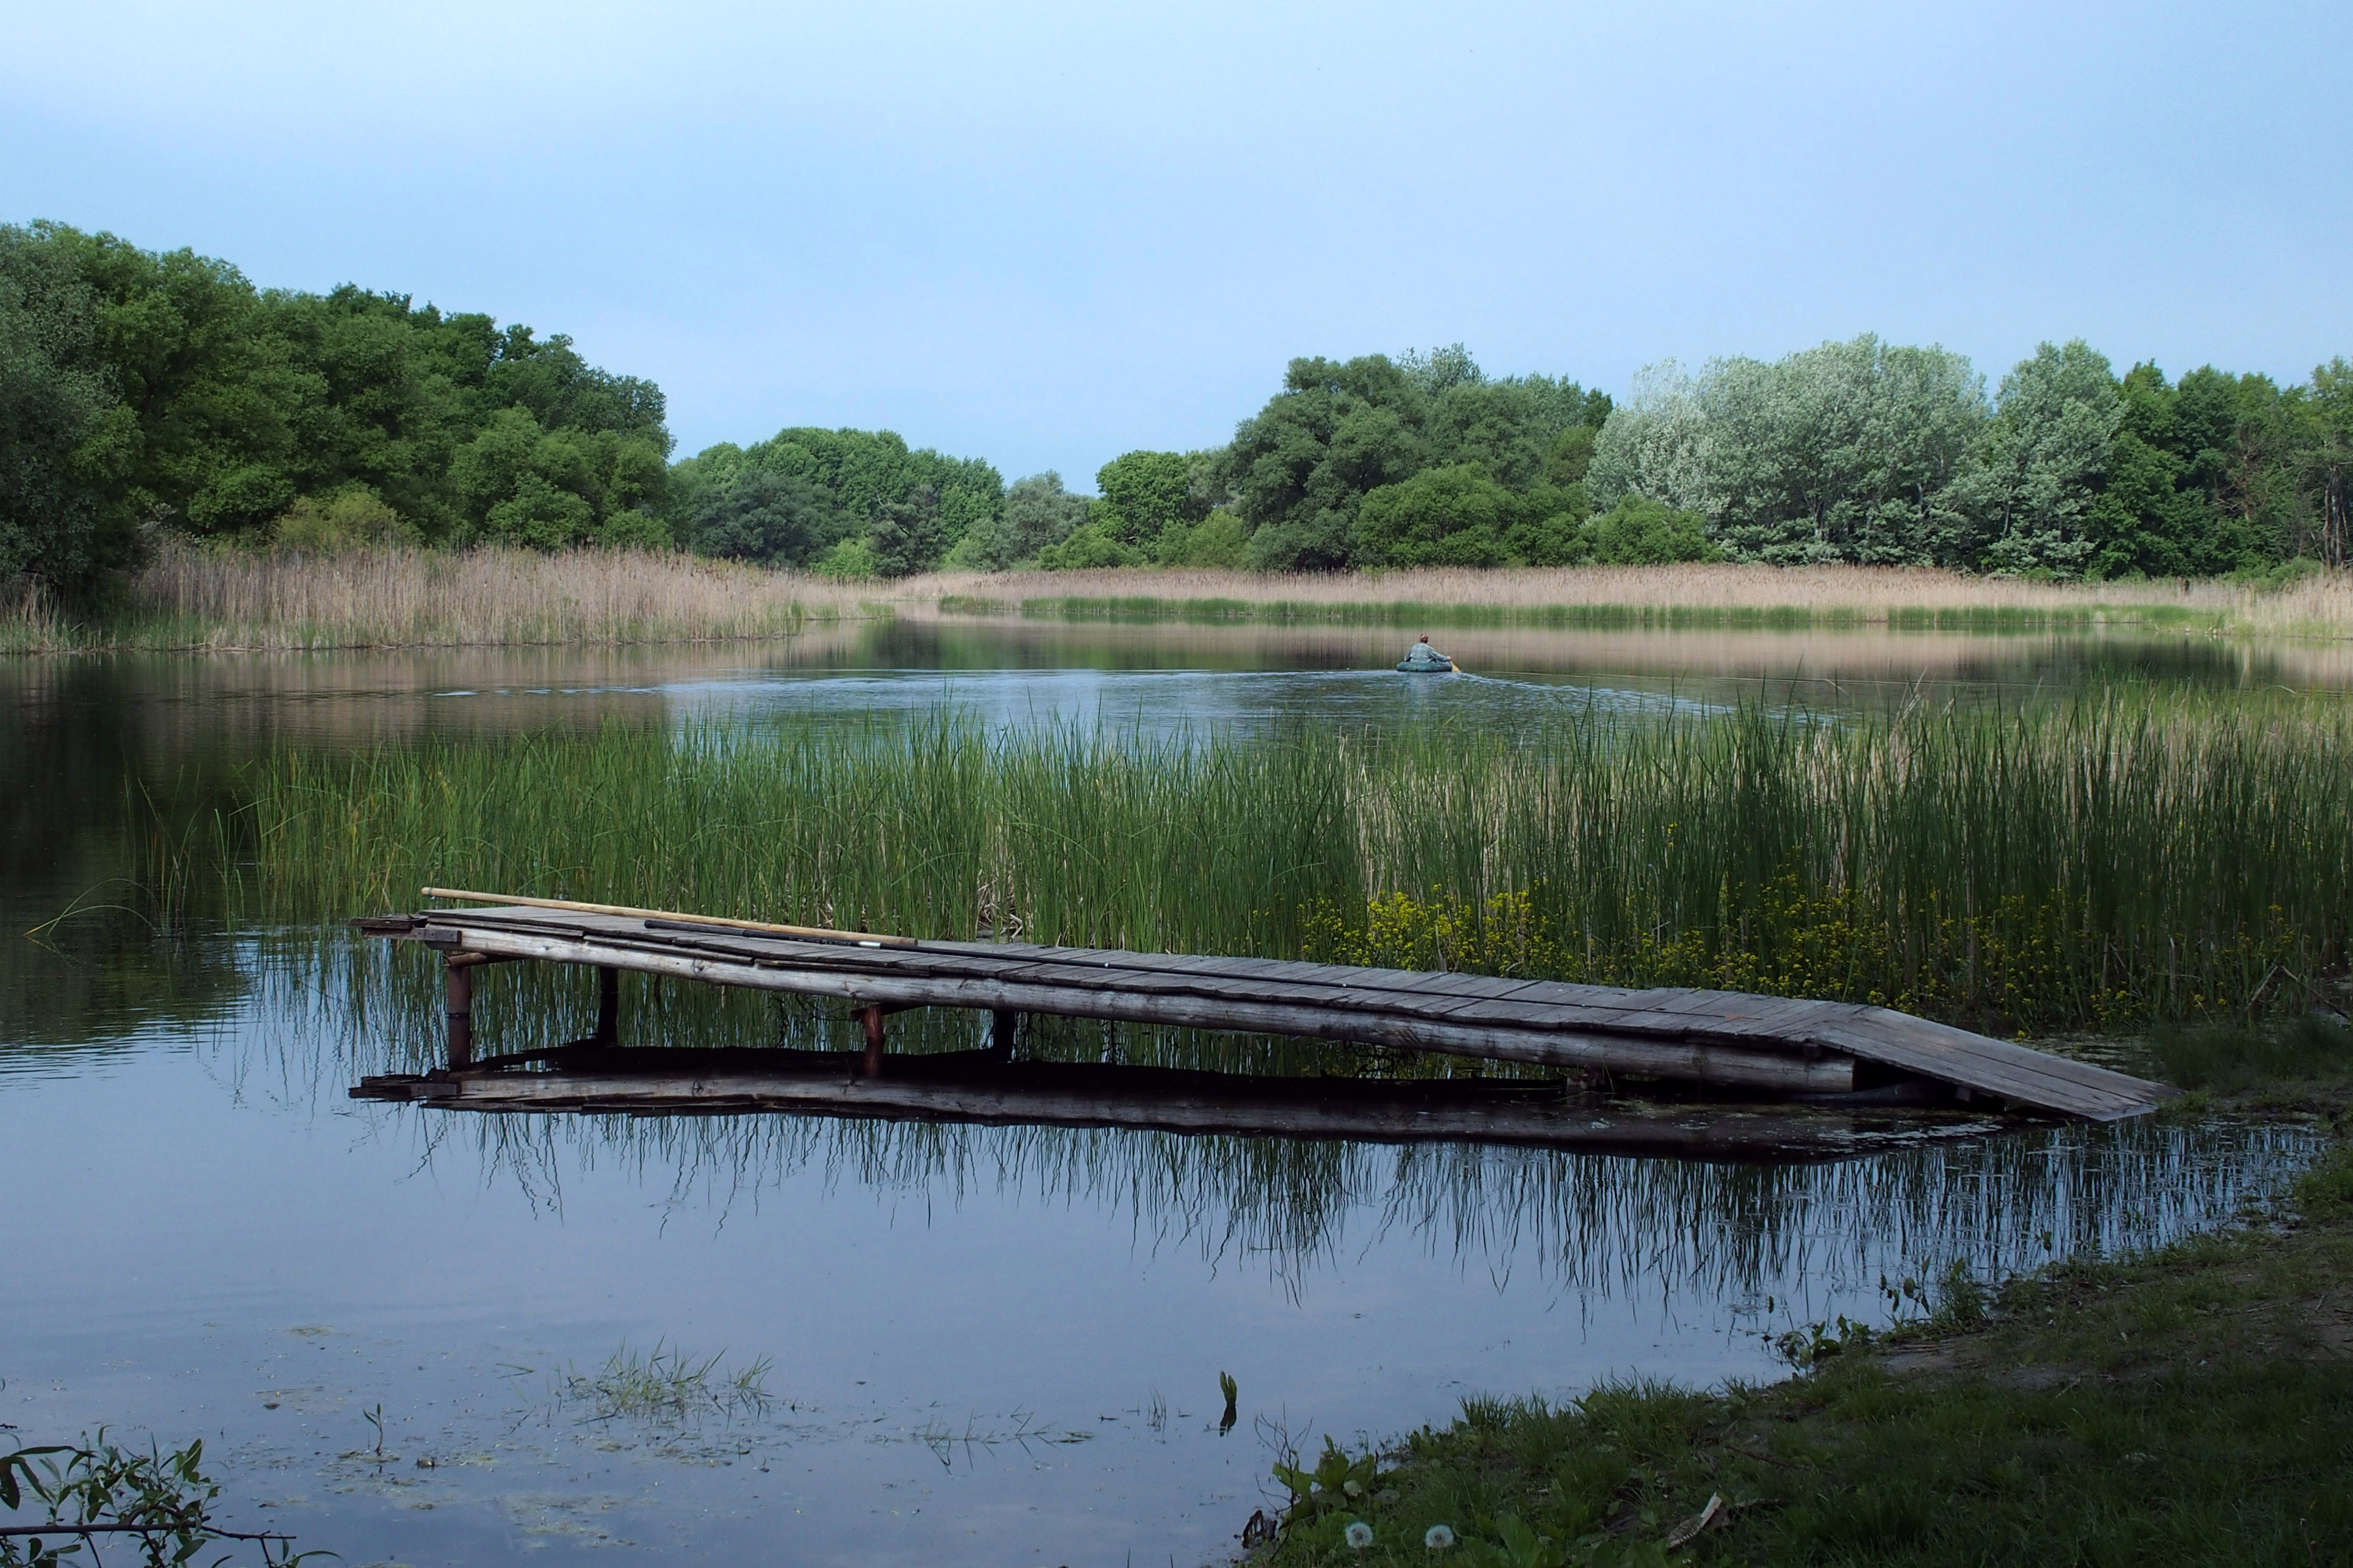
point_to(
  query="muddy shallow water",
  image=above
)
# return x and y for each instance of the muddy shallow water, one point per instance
(981, 1345)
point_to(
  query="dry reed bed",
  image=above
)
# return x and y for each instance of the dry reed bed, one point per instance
(2322, 603)
(202, 600)
(205, 600)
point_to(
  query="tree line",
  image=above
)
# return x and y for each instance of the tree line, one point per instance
(143, 392)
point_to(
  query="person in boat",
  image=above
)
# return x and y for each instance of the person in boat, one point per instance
(1424, 657)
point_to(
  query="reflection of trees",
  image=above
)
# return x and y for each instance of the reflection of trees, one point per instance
(89, 984)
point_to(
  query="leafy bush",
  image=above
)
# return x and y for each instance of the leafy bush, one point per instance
(102, 1492)
(354, 518)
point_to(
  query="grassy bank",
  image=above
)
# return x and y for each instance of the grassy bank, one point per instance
(191, 600)
(2089, 864)
(2193, 1405)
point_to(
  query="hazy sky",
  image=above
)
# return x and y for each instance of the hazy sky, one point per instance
(1049, 234)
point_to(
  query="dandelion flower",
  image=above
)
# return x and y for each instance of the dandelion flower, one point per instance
(1360, 1536)
(1438, 1538)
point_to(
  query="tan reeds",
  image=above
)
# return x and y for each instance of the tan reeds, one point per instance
(29, 623)
(2319, 604)
(196, 599)
(405, 599)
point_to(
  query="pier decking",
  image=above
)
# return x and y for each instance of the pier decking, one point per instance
(1821, 1052)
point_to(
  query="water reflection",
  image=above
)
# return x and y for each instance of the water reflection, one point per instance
(1683, 1234)
(1712, 1236)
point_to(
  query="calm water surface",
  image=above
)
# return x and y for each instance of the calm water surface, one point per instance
(982, 1345)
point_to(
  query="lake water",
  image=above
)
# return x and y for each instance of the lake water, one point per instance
(989, 1345)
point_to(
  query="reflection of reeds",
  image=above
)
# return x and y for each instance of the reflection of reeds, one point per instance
(1611, 1226)
(2096, 863)
(1668, 1229)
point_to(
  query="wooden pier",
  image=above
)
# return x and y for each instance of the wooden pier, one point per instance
(1823, 1053)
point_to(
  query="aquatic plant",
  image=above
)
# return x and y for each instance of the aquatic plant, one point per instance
(2094, 863)
(665, 1385)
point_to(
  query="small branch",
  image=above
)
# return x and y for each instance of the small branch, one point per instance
(60, 1528)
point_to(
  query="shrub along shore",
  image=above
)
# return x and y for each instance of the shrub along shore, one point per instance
(188, 599)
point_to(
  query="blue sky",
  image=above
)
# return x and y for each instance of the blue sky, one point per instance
(1049, 234)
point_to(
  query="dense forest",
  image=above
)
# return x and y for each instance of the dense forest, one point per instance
(146, 392)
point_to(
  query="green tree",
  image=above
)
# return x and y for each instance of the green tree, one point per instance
(861, 472)
(1144, 494)
(2236, 435)
(1039, 515)
(63, 432)
(2145, 521)
(1454, 516)
(2045, 457)
(1299, 471)
(778, 519)
(1640, 532)
(2327, 460)
(1848, 451)
(237, 405)
(908, 534)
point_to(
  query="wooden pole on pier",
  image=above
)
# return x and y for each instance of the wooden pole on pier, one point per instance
(609, 1005)
(872, 1018)
(458, 977)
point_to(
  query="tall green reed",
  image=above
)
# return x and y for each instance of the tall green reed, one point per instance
(2094, 863)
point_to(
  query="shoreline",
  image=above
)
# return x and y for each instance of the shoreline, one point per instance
(2191, 1404)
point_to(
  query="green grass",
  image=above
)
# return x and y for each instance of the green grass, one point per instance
(2191, 1407)
(2092, 864)
(2226, 1059)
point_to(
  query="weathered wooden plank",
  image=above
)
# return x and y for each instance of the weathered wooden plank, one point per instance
(1694, 1063)
(1993, 1066)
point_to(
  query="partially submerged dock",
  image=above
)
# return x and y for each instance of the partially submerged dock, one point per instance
(1821, 1054)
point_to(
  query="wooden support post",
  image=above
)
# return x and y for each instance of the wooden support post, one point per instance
(872, 1018)
(608, 1006)
(1003, 1023)
(458, 979)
